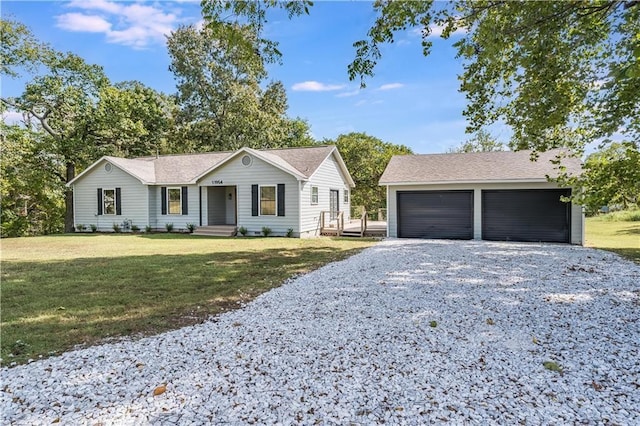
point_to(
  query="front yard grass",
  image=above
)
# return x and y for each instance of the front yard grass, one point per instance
(622, 237)
(62, 291)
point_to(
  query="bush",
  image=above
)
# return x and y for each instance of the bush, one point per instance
(93, 227)
(148, 229)
(191, 227)
(289, 232)
(243, 231)
(135, 228)
(266, 231)
(168, 227)
(116, 227)
(632, 215)
(80, 227)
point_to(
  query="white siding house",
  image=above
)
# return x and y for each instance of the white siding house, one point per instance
(498, 196)
(245, 188)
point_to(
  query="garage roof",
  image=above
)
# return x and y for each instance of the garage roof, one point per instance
(499, 166)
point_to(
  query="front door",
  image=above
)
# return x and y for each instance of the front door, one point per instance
(334, 203)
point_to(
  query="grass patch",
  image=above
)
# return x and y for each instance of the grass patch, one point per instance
(632, 215)
(68, 290)
(622, 237)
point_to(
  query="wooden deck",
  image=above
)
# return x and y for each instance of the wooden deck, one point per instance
(353, 228)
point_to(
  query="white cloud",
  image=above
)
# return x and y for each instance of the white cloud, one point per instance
(83, 23)
(131, 24)
(12, 117)
(348, 94)
(316, 86)
(391, 86)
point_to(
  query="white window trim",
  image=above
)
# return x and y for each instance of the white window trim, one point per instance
(115, 202)
(345, 196)
(275, 191)
(169, 188)
(317, 195)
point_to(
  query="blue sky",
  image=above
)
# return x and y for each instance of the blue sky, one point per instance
(412, 100)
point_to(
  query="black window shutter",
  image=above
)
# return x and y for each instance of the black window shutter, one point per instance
(99, 201)
(280, 199)
(118, 203)
(185, 201)
(254, 200)
(163, 197)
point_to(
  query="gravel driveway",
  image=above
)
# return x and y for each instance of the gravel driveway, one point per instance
(406, 332)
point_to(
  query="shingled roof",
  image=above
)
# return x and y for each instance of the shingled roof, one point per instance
(188, 168)
(497, 166)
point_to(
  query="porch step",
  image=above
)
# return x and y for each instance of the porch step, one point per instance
(216, 231)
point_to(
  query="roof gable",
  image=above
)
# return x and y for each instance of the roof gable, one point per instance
(476, 167)
(302, 163)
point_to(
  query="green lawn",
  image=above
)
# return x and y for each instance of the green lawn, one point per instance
(67, 290)
(622, 237)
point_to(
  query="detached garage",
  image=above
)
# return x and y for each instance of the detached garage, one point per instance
(497, 196)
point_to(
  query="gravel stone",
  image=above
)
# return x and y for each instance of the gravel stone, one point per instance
(406, 332)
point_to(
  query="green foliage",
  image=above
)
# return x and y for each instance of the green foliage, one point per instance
(116, 227)
(618, 235)
(148, 229)
(93, 227)
(433, 324)
(552, 366)
(80, 227)
(266, 231)
(557, 73)
(191, 227)
(366, 158)
(612, 177)
(632, 215)
(31, 192)
(290, 233)
(168, 226)
(76, 113)
(482, 141)
(243, 231)
(222, 105)
(135, 228)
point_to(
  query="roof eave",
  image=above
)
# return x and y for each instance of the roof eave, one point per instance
(463, 182)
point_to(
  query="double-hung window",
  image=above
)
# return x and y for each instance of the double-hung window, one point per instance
(267, 201)
(314, 195)
(108, 201)
(174, 196)
(345, 196)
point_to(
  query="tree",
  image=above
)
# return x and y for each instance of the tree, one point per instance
(78, 115)
(612, 177)
(31, 198)
(221, 103)
(482, 141)
(546, 69)
(366, 158)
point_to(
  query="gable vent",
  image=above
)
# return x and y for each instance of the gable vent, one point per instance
(246, 160)
(108, 168)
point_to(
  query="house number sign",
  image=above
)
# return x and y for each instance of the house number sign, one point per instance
(217, 182)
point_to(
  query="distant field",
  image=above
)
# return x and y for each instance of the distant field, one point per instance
(67, 290)
(622, 237)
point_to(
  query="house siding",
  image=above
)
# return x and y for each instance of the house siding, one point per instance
(234, 173)
(577, 214)
(133, 198)
(328, 176)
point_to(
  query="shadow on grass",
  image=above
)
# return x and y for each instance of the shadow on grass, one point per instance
(50, 307)
(629, 253)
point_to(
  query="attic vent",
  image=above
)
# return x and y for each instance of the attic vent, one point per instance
(107, 167)
(246, 160)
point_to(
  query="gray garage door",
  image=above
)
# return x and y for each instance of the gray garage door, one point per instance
(435, 214)
(526, 215)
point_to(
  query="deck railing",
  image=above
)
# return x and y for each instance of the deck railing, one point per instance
(327, 226)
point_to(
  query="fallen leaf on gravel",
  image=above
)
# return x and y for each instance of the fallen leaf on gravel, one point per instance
(596, 386)
(535, 341)
(490, 321)
(160, 390)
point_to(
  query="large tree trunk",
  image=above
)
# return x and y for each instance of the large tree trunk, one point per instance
(68, 199)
